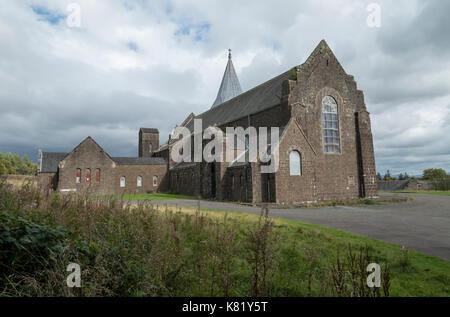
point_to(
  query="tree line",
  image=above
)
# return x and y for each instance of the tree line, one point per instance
(13, 164)
(438, 177)
(430, 174)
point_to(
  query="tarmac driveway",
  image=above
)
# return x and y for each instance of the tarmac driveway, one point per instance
(422, 225)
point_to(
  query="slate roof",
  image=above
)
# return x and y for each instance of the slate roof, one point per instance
(230, 86)
(260, 98)
(50, 161)
(139, 160)
(250, 102)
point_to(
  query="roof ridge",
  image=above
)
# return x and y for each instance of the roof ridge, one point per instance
(245, 93)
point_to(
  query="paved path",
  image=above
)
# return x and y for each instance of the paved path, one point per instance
(422, 225)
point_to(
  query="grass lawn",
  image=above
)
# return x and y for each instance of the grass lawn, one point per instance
(424, 192)
(412, 273)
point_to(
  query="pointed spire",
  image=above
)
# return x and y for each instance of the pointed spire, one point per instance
(230, 86)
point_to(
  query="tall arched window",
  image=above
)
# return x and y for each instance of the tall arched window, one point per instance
(88, 175)
(97, 175)
(155, 181)
(150, 148)
(78, 176)
(122, 182)
(139, 181)
(331, 139)
(295, 163)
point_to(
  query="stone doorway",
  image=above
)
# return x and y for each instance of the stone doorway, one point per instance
(268, 188)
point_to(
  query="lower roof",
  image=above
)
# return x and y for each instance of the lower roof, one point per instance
(51, 160)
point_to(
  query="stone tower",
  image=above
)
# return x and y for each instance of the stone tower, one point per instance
(148, 142)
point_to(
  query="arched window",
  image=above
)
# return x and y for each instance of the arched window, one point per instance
(139, 181)
(155, 181)
(150, 148)
(295, 163)
(331, 139)
(122, 182)
(88, 175)
(78, 176)
(97, 175)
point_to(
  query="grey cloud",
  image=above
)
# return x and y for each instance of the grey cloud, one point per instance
(55, 89)
(428, 31)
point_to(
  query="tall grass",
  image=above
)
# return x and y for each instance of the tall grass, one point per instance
(142, 250)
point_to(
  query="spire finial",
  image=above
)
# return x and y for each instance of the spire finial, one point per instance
(229, 53)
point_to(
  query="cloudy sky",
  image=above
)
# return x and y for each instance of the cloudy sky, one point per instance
(141, 63)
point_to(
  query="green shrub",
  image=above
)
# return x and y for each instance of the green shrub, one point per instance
(27, 246)
(441, 184)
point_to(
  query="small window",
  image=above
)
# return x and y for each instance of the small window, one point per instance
(139, 181)
(88, 175)
(295, 163)
(122, 182)
(97, 175)
(78, 176)
(150, 148)
(155, 181)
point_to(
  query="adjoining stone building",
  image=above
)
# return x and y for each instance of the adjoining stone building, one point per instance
(325, 148)
(88, 169)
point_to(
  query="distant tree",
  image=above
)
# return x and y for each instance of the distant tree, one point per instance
(401, 177)
(388, 177)
(379, 177)
(14, 164)
(434, 173)
(406, 176)
(3, 168)
(28, 167)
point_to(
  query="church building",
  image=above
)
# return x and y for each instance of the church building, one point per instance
(325, 145)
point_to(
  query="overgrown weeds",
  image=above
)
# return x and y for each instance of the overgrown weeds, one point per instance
(350, 275)
(141, 250)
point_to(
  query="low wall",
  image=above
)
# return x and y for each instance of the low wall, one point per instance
(411, 184)
(392, 185)
(19, 180)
